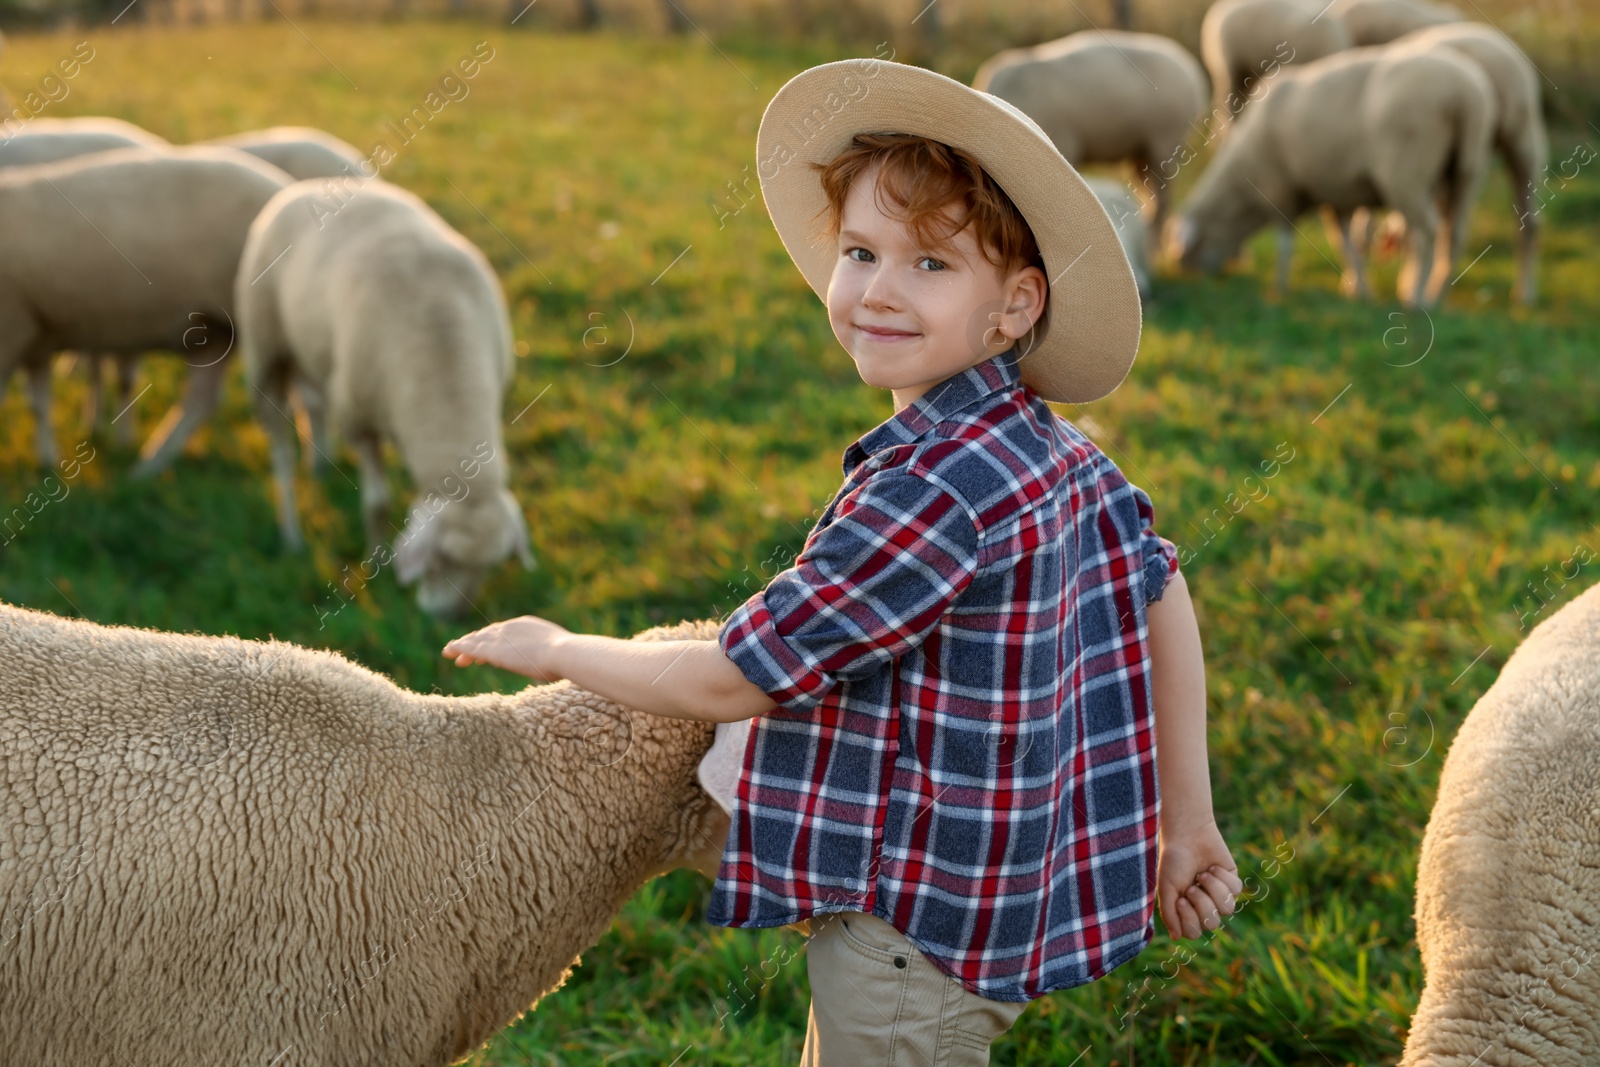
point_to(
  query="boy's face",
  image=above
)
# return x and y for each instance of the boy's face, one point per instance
(911, 318)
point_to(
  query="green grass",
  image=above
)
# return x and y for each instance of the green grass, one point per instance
(1350, 618)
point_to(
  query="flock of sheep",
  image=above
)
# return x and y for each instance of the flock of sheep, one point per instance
(281, 250)
(1350, 106)
(218, 850)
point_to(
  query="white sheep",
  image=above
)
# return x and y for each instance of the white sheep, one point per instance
(381, 313)
(1519, 134)
(79, 270)
(1388, 127)
(1107, 97)
(1123, 208)
(223, 851)
(300, 151)
(1508, 879)
(1382, 21)
(1244, 43)
(50, 140)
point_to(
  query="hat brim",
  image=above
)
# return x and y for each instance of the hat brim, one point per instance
(1092, 335)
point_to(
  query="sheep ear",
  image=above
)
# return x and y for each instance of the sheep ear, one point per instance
(519, 530)
(416, 545)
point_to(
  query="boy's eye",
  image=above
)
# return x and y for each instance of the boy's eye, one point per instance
(938, 265)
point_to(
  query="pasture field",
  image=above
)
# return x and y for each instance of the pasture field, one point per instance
(677, 419)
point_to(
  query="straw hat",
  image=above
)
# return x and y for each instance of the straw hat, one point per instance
(1092, 335)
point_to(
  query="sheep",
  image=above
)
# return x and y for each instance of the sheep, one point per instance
(1244, 43)
(1368, 127)
(79, 270)
(396, 323)
(1519, 135)
(1105, 97)
(300, 151)
(1508, 878)
(45, 140)
(215, 850)
(1382, 21)
(49, 140)
(1123, 208)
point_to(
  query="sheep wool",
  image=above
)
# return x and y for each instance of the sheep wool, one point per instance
(300, 151)
(1381, 21)
(52, 140)
(215, 850)
(1105, 96)
(1508, 880)
(1244, 42)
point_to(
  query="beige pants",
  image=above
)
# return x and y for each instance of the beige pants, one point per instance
(876, 1001)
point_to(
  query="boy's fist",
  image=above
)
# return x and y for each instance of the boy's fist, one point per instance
(1196, 880)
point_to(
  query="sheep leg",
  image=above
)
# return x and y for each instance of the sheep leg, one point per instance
(375, 498)
(1285, 251)
(1446, 250)
(176, 427)
(1528, 226)
(1413, 287)
(1353, 280)
(40, 394)
(272, 408)
(125, 366)
(320, 456)
(92, 400)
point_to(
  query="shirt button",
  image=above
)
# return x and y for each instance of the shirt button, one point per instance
(900, 962)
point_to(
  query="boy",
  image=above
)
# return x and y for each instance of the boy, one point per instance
(953, 771)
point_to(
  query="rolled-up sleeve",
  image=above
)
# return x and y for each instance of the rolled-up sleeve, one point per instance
(1160, 556)
(868, 587)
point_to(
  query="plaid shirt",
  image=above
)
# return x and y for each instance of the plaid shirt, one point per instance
(964, 744)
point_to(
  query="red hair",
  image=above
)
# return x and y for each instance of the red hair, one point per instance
(923, 177)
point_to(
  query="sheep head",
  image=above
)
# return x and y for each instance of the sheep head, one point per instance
(1240, 192)
(448, 549)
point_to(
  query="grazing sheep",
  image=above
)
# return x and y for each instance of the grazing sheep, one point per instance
(1382, 21)
(1519, 132)
(1508, 880)
(300, 151)
(1105, 97)
(380, 311)
(1123, 207)
(47, 140)
(79, 270)
(1371, 127)
(223, 851)
(1245, 42)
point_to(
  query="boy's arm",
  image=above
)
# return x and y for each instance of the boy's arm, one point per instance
(1178, 686)
(677, 679)
(1196, 878)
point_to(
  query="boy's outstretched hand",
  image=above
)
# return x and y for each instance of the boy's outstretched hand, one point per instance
(521, 644)
(1196, 879)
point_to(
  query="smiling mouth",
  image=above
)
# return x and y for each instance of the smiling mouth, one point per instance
(885, 335)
